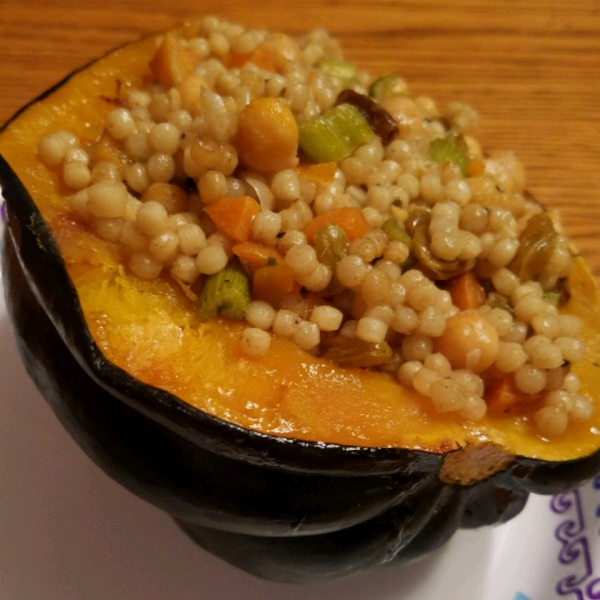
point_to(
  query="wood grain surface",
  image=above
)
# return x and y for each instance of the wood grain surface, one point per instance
(531, 68)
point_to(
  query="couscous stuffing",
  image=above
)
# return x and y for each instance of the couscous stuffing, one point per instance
(277, 183)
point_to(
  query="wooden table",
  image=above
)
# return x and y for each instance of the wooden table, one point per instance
(532, 68)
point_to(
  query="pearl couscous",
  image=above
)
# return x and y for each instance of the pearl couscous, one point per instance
(277, 183)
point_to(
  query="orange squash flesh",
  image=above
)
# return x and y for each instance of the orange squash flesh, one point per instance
(150, 328)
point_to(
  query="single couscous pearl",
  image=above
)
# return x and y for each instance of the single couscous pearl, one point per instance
(76, 175)
(164, 138)
(424, 379)
(211, 259)
(431, 322)
(164, 246)
(416, 347)
(108, 229)
(376, 287)
(255, 342)
(145, 266)
(152, 218)
(120, 123)
(137, 145)
(191, 239)
(405, 320)
(260, 314)
(530, 379)
(561, 399)
(370, 329)
(551, 421)
(510, 357)
(582, 408)
(302, 258)
(285, 323)
(351, 271)
(474, 408)
(137, 178)
(160, 167)
(266, 226)
(185, 268)
(306, 335)
(407, 372)
(327, 318)
(107, 200)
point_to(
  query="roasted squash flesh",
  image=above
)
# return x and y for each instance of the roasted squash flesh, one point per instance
(151, 329)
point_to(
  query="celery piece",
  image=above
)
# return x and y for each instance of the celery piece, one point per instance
(342, 69)
(386, 86)
(443, 150)
(381, 122)
(396, 233)
(335, 134)
(551, 297)
(226, 292)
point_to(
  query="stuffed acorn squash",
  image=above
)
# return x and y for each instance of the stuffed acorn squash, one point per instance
(296, 308)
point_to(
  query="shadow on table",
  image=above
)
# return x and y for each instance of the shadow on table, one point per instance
(70, 532)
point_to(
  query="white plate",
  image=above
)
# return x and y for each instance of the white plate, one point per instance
(68, 532)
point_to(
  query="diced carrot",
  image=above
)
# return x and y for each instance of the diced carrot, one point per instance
(272, 283)
(172, 63)
(259, 57)
(466, 291)
(476, 167)
(503, 395)
(349, 218)
(233, 216)
(254, 256)
(190, 90)
(321, 173)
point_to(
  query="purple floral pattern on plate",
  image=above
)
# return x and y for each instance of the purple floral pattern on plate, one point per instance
(583, 582)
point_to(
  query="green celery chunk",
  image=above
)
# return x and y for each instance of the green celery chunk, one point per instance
(443, 150)
(396, 233)
(386, 86)
(226, 292)
(334, 135)
(342, 69)
(551, 297)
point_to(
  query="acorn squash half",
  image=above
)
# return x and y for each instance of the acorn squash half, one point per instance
(346, 491)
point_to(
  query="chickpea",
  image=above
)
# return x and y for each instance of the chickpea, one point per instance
(468, 342)
(267, 136)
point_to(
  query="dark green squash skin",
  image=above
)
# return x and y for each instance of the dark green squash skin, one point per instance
(286, 510)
